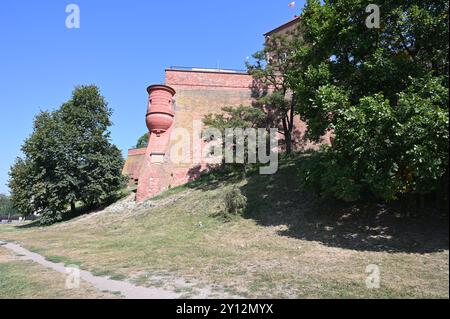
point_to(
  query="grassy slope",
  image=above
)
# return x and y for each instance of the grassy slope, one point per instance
(287, 244)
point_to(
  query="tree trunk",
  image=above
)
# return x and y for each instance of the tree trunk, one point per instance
(287, 136)
(72, 206)
(290, 126)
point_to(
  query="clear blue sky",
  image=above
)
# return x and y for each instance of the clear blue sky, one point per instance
(122, 46)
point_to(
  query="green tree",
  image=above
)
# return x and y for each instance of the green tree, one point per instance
(6, 206)
(241, 117)
(68, 159)
(272, 90)
(383, 92)
(142, 142)
(21, 186)
(35, 180)
(94, 164)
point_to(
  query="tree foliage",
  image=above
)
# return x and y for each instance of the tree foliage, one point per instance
(6, 206)
(234, 203)
(142, 141)
(272, 90)
(241, 117)
(235, 117)
(68, 159)
(383, 92)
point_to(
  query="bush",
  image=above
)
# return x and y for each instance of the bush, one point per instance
(50, 217)
(234, 203)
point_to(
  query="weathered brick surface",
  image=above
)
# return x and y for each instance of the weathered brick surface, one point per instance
(209, 80)
(136, 151)
(133, 164)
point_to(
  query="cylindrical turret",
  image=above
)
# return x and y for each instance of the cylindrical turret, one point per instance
(160, 111)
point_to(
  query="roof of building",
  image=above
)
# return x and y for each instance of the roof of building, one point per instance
(283, 26)
(206, 70)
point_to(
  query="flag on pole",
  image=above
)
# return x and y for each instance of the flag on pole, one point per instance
(292, 4)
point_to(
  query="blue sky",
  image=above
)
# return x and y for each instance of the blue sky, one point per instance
(121, 46)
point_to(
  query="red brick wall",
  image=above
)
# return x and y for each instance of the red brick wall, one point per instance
(200, 93)
(197, 94)
(208, 80)
(133, 164)
(136, 151)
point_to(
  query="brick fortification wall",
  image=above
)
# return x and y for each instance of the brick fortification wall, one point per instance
(198, 92)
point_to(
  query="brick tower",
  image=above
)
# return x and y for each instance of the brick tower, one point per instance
(159, 120)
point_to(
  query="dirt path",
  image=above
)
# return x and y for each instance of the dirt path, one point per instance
(126, 289)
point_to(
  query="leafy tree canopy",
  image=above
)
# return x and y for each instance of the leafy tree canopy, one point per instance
(68, 158)
(142, 142)
(6, 206)
(383, 92)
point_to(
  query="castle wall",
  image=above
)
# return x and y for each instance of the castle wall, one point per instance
(198, 92)
(133, 165)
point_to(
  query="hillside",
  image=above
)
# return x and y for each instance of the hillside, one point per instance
(288, 244)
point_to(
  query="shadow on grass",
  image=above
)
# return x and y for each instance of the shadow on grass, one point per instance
(278, 201)
(32, 224)
(79, 211)
(212, 179)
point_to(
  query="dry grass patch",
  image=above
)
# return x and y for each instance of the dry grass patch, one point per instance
(20, 279)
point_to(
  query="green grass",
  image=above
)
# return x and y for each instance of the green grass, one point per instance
(170, 192)
(14, 284)
(287, 244)
(117, 277)
(102, 273)
(25, 279)
(201, 181)
(64, 260)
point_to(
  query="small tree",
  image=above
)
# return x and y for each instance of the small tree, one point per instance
(272, 89)
(142, 142)
(241, 117)
(234, 203)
